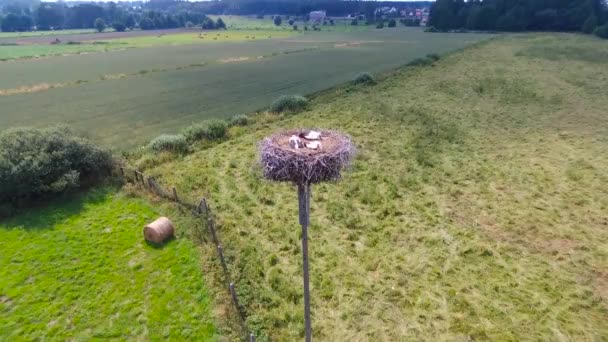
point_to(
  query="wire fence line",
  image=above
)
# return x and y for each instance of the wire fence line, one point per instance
(200, 210)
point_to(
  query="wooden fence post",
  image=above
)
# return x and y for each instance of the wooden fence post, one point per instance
(211, 226)
(175, 198)
(235, 299)
(220, 252)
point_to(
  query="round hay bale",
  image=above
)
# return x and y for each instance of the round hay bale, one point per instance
(321, 159)
(159, 231)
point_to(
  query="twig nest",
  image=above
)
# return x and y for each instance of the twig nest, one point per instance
(317, 156)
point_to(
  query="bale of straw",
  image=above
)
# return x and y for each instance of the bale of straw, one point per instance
(159, 231)
(282, 163)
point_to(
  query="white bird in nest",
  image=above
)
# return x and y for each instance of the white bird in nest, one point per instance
(295, 142)
(313, 135)
(313, 145)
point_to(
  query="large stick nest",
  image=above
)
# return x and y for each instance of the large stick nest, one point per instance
(282, 162)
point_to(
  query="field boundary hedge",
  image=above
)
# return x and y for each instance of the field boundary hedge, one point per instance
(201, 210)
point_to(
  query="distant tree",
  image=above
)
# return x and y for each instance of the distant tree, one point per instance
(331, 22)
(513, 20)
(219, 24)
(354, 22)
(208, 24)
(392, 23)
(100, 25)
(119, 26)
(50, 15)
(295, 27)
(590, 24)
(16, 23)
(277, 20)
(380, 24)
(130, 21)
(601, 31)
(146, 24)
(291, 21)
(83, 15)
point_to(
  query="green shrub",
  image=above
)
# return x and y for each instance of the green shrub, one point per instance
(354, 22)
(210, 130)
(364, 78)
(601, 31)
(420, 62)
(289, 103)
(39, 162)
(169, 142)
(590, 24)
(380, 25)
(433, 57)
(392, 23)
(239, 120)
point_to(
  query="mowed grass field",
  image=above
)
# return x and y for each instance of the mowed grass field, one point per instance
(100, 43)
(80, 269)
(124, 98)
(475, 210)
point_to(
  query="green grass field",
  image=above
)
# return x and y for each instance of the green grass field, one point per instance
(79, 269)
(475, 210)
(12, 52)
(162, 89)
(45, 33)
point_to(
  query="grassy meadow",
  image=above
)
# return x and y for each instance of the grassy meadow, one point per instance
(161, 89)
(475, 209)
(11, 52)
(79, 269)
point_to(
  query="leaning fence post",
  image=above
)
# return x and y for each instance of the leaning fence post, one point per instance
(211, 226)
(220, 252)
(175, 198)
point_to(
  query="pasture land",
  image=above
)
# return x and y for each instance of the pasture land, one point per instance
(235, 22)
(12, 35)
(79, 269)
(126, 97)
(475, 210)
(84, 43)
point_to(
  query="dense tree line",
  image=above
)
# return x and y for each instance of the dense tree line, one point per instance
(25, 16)
(519, 15)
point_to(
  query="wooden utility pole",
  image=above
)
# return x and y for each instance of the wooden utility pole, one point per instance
(304, 214)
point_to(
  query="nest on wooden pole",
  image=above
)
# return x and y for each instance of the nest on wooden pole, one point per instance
(305, 157)
(283, 163)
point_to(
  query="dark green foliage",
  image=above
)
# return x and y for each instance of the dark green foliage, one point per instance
(219, 24)
(100, 25)
(277, 20)
(590, 24)
(291, 22)
(169, 143)
(392, 23)
(539, 15)
(295, 27)
(602, 31)
(119, 27)
(420, 62)
(289, 103)
(431, 29)
(433, 57)
(210, 130)
(146, 24)
(380, 25)
(16, 23)
(208, 24)
(354, 22)
(239, 120)
(364, 78)
(39, 162)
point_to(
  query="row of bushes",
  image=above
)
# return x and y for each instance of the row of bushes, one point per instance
(210, 130)
(37, 163)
